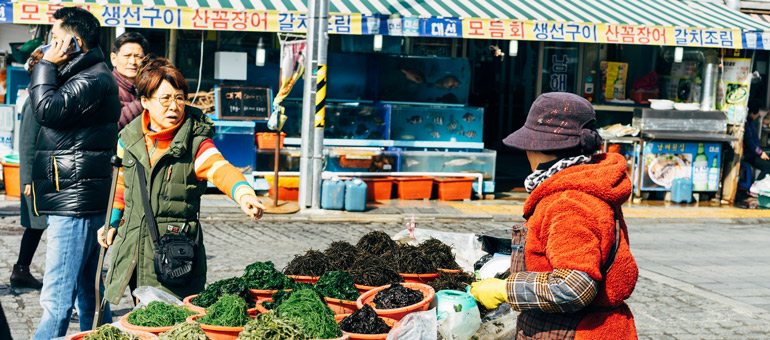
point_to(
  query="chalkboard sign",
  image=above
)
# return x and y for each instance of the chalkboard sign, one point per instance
(243, 102)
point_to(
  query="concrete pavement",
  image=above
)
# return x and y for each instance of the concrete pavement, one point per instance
(700, 277)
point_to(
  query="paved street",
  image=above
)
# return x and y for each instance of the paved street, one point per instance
(700, 278)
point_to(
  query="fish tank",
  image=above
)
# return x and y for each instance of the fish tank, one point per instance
(424, 79)
(437, 123)
(343, 120)
(288, 159)
(235, 140)
(477, 162)
(361, 159)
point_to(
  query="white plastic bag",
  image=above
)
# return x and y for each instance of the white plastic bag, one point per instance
(499, 324)
(465, 246)
(416, 326)
(147, 294)
(761, 187)
(460, 325)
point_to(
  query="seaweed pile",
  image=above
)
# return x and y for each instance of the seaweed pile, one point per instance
(159, 314)
(341, 255)
(313, 263)
(233, 285)
(270, 327)
(453, 281)
(280, 296)
(263, 275)
(439, 253)
(337, 285)
(110, 332)
(409, 259)
(184, 331)
(376, 243)
(311, 315)
(371, 270)
(229, 311)
(397, 296)
(364, 321)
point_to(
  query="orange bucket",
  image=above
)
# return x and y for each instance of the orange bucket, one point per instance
(154, 330)
(263, 294)
(363, 289)
(141, 335)
(11, 179)
(419, 278)
(217, 332)
(188, 302)
(304, 279)
(341, 306)
(356, 336)
(398, 313)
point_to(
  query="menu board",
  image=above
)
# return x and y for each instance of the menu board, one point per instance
(243, 102)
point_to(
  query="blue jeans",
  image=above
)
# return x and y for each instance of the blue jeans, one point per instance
(72, 255)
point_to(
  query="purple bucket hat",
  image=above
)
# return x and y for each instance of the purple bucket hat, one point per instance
(557, 121)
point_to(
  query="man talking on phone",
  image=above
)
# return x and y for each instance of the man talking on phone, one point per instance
(75, 99)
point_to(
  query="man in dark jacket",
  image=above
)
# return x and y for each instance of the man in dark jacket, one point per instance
(752, 152)
(127, 54)
(75, 100)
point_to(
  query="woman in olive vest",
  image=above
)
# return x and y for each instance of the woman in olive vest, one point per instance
(171, 142)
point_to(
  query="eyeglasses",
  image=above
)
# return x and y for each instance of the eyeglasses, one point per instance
(166, 101)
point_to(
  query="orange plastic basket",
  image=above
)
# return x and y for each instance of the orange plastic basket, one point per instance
(266, 140)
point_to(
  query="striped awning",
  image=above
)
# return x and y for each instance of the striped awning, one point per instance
(649, 22)
(672, 13)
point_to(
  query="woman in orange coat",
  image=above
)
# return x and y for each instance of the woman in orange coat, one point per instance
(571, 265)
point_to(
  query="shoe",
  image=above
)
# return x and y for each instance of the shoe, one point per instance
(22, 278)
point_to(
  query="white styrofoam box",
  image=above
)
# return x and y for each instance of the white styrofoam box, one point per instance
(6, 140)
(230, 65)
(7, 115)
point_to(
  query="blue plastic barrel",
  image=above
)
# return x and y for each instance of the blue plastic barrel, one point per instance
(355, 195)
(333, 194)
(681, 190)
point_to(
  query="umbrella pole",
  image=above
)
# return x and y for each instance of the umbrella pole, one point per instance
(277, 159)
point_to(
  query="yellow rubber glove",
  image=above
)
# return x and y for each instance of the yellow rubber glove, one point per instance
(490, 292)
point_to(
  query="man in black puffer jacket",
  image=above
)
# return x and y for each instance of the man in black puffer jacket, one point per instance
(75, 99)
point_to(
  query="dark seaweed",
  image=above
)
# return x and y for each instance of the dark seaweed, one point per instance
(371, 270)
(341, 255)
(312, 263)
(364, 321)
(397, 296)
(233, 285)
(337, 285)
(410, 259)
(452, 281)
(263, 275)
(376, 243)
(439, 253)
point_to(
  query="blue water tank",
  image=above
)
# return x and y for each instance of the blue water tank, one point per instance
(681, 190)
(355, 195)
(333, 194)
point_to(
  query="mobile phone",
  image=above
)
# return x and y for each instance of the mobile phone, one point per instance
(74, 42)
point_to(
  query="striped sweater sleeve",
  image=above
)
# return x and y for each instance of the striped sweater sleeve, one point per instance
(119, 202)
(560, 291)
(210, 165)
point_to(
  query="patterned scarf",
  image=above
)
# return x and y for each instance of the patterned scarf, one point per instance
(539, 176)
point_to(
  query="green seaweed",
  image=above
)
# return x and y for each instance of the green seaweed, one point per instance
(184, 331)
(337, 285)
(110, 332)
(269, 326)
(263, 275)
(159, 314)
(312, 315)
(229, 311)
(280, 296)
(233, 285)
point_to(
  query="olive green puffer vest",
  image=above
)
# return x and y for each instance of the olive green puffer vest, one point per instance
(174, 192)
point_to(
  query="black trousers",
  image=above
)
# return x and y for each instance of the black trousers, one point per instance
(762, 165)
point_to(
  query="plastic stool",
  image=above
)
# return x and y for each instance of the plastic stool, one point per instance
(748, 176)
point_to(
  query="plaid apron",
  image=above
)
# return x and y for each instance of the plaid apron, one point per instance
(537, 325)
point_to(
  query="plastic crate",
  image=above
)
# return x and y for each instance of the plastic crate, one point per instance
(414, 188)
(379, 189)
(453, 189)
(266, 140)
